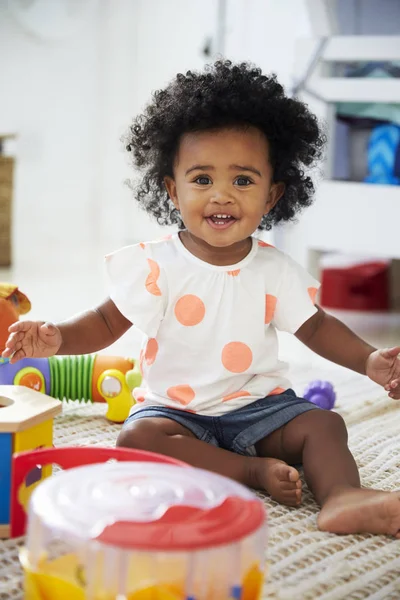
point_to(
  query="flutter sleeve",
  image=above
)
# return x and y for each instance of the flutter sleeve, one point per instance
(296, 297)
(137, 286)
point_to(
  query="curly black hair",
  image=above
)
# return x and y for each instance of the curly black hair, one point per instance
(225, 95)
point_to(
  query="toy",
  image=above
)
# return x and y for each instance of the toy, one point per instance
(321, 393)
(26, 423)
(384, 155)
(13, 303)
(24, 463)
(93, 378)
(143, 531)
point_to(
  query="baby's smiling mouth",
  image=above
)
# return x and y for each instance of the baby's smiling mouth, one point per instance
(220, 220)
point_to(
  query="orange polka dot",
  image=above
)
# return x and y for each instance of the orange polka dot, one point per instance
(142, 245)
(242, 394)
(183, 394)
(151, 281)
(234, 273)
(190, 310)
(270, 306)
(312, 292)
(151, 351)
(277, 391)
(140, 399)
(236, 357)
(263, 244)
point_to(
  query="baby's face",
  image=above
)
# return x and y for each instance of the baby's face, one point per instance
(222, 184)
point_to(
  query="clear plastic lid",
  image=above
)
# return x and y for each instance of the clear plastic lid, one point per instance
(144, 506)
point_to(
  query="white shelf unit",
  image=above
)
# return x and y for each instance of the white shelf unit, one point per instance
(350, 217)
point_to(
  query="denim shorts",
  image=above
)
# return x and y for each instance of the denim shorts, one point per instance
(240, 429)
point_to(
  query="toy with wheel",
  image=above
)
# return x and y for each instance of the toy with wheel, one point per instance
(88, 378)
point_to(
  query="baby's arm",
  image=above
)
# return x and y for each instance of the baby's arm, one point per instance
(93, 330)
(331, 339)
(88, 332)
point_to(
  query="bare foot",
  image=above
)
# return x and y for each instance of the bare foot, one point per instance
(352, 510)
(281, 481)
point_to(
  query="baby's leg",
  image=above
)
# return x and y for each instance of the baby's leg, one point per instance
(318, 439)
(166, 436)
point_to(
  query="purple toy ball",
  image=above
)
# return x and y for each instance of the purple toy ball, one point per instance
(320, 393)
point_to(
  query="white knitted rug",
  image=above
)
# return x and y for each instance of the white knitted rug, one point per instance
(302, 562)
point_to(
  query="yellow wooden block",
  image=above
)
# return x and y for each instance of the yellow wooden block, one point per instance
(38, 436)
(26, 417)
(24, 408)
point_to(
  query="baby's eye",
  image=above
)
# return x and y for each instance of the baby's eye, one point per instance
(202, 180)
(243, 181)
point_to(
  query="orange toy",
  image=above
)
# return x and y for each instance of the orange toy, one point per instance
(13, 303)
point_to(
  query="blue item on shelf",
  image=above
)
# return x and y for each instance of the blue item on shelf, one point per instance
(384, 155)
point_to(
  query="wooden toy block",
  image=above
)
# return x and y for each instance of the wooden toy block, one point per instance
(26, 423)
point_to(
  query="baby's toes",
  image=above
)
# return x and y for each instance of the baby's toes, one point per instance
(293, 475)
(291, 497)
(285, 473)
(290, 486)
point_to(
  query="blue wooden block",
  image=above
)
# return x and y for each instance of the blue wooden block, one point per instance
(5, 476)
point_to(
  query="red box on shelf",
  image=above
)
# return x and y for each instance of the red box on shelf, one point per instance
(363, 287)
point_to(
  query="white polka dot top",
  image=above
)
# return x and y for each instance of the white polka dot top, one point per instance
(210, 332)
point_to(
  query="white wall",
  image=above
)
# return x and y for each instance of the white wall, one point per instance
(265, 32)
(48, 92)
(70, 101)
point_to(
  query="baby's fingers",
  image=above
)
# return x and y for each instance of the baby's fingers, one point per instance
(14, 352)
(18, 354)
(391, 352)
(20, 326)
(394, 389)
(14, 339)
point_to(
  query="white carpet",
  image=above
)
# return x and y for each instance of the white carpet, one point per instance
(303, 563)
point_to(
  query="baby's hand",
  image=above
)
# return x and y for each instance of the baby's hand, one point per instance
(383, 367)
(32, 339)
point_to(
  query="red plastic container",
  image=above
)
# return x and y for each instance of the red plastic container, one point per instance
(363, 287)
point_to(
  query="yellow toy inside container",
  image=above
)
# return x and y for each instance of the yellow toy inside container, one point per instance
(143, 531)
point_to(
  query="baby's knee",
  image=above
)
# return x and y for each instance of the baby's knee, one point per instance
(140, 435)
(327, 422)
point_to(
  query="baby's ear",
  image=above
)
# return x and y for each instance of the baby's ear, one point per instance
(170, 186)
(275, 194)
